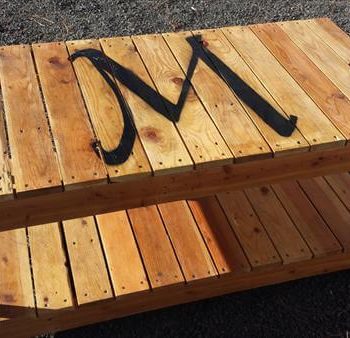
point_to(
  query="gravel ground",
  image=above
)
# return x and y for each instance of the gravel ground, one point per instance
(314, 307)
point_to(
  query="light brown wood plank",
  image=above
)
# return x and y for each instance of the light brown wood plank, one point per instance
(161, 141)
(312, 123)
(223, 245)
(324, 93)
(330, 208)
(87, 263)
(106, 114)
(16, 290)
(27, 127)
(71, 127)
(233, 122)
(340, 183)
(312, 227)
(248, 229)
(123, 258)
(271, 213)
(203, 140)
(253, 94)
(50, 273)
(155, 247)
(188, 243)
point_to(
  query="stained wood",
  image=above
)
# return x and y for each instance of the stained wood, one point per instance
(248, 229)
(340, 183)
(188, 243)
(106, 114)
(202, 139)
(71, 127)
(87, 261)
(123, 258)
(305, 217)
(223, 52)
(162, 142)
(155, 247)
(217, 233)
(53, 290)
(238, 130)
(324, 93)
(27, 127)
(271, 213)
(313, 124)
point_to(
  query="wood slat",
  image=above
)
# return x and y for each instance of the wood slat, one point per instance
(312, 227)
(271, 213)
(217, 233)
(71, 127)
(123, 258)
(86, 261)
(188, 243)
(254, 97)
(50, 273)
(324, 93)
(233, 122)
(313, 124)
(248, 229)
(340, 183)
(27, 127)
(198, 131)
(162, 143)
(106, 114)
(155, 247)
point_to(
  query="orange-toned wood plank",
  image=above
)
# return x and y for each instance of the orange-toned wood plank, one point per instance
(340, 183)
(272, 122)
(271, 213)
(156, 250)
(312, 227)
(123, 258)
(222, 243)
(233, 122)
(87, 263)
(161, 141)
(203, 140)
(68, 118)
(34, 163)
(50, 273)
(248, 229)
(188, 243)
(324, 93)
(106, 114)
(312, 123)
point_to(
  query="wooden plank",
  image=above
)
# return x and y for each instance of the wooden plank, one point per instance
(340, 183)
(310, 224)
(16, 290)
(238, 130)
(330, 208)
(324, 57)
(123, 258)
(198, 131)
(188, 243)
(312, 123)
(332, 35)
(248, 229)
(223, 245)
(71, 127)
(271, 213)
(162, 143)
(27, 127)
(87, 263)
(156, 250)
(324, 93)
(271, 120)
(106, 114)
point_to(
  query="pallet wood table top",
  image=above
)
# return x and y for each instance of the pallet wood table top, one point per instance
(145, 258)
(93, 126)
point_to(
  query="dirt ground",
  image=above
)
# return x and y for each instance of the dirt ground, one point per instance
(314, 307)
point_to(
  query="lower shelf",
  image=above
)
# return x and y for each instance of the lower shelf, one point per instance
(58, 276)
